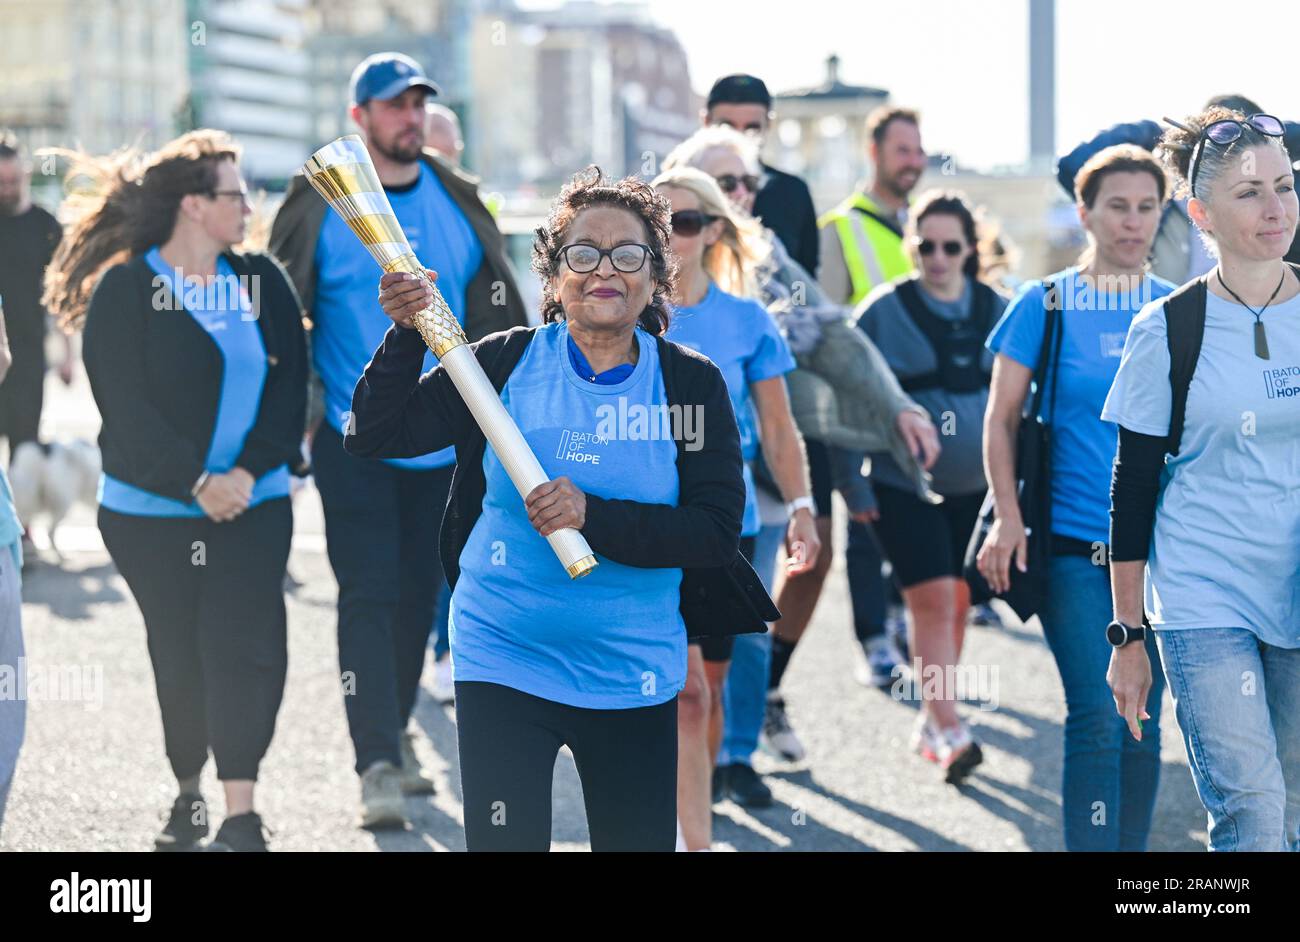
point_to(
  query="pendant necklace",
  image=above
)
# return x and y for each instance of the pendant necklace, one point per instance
(1261, 340)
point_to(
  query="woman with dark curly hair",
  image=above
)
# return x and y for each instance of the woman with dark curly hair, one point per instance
(639, 439)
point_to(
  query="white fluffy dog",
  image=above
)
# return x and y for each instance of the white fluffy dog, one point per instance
(49, 479)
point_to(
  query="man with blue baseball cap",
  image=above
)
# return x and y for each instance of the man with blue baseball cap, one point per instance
(382, 517)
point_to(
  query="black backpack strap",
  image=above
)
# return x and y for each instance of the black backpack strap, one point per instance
(982, 308)
(890, 224)
(934, 327)
(1184, 328)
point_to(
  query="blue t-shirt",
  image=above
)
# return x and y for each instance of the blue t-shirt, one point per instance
(613, 639)
(743, 341)
(1095, 322)
(349, 324)
(222, 308)
(1225, 549)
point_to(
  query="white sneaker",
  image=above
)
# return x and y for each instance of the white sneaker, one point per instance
(778, 737)
(444, 690)
(926, 741)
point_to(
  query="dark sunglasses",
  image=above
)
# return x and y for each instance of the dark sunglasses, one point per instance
(628, 258)
(952, 248)
(689, 222)
(729, 181)
(1229, 131)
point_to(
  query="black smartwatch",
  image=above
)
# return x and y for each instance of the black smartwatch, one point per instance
(1120, 634)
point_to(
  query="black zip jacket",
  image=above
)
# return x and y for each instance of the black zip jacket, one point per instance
(397, 413)
(156, 377)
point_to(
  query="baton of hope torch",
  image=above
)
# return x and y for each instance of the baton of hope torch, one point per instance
(344, 175)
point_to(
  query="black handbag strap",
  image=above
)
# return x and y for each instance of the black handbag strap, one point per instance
(1049, 354)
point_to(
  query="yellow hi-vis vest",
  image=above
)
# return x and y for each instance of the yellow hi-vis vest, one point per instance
(873, 252)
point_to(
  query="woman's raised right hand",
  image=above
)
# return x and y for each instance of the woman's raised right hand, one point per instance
(1007, 538)
(402, 295)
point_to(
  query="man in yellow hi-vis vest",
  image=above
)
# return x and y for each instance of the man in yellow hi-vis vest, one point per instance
(862, 238)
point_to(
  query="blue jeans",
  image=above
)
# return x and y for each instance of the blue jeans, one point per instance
(1237, 700)
(1108, 790)
(13, 711)
(744, 694)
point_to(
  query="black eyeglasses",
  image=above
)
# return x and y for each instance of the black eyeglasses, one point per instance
(1228, 131)
(952, 248)
(241, 193)
(628, 258)
(689, 222)
(729, 181)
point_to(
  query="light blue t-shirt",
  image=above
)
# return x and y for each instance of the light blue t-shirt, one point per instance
(348, 323)
(1095, 322)
(222, 308)
(613, 639)
(1225, 550)
(743, 341)
(11, 528)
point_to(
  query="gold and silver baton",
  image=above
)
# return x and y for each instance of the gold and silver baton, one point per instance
(344, 175)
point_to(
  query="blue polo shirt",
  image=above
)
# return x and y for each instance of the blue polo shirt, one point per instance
(348, 323)
(224, 310)
(613, 639)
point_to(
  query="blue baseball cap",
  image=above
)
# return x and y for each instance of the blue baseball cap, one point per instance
(386, 75)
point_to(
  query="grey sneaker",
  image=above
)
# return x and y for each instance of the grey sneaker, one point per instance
(381, 797)
(415, 781)
(778, 737)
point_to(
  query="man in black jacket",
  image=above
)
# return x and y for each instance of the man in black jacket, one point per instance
(784, 204)
(382, 517)
(28, 237)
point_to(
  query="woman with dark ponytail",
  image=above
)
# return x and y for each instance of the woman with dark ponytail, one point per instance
(197, 360)
(931, 328)
(1205, 523)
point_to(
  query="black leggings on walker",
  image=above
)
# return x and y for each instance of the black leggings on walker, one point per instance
(627, 760)
(212, 597)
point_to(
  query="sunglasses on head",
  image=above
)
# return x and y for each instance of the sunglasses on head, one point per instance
(729, 181)
(689, 222)
(1229, 131)
(952, 248)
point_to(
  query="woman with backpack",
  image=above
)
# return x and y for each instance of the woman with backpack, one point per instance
(1211, 378)
(931, 329)
(1109, 780)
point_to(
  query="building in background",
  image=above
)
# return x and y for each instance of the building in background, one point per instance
(111, 73)
(97, 75)
(820, 134)
(435, 33)
(249, 75)
(585, 83)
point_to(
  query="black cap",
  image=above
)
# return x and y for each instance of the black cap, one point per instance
(739, 89)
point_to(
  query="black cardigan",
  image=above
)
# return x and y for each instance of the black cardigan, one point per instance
(397, 413)
(156, 377)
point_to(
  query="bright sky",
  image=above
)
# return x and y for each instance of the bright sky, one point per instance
(964, 63)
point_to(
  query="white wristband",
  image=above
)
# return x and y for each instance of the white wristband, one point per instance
(801, 503)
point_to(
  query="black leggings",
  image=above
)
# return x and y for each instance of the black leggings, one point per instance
(212, 597)
(508, 741)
